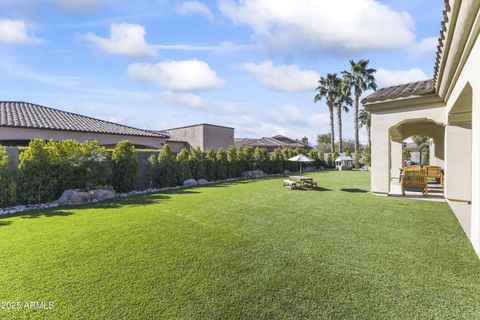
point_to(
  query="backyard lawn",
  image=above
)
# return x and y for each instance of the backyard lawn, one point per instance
(243, 250)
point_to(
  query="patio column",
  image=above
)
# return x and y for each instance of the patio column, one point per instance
(475, 216)
(395, 158)
(380, 170)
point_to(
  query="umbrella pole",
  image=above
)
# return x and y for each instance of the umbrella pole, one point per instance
(300, 167)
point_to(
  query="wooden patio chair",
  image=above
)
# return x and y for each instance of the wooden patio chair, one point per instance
(415, 178)
(435, 172)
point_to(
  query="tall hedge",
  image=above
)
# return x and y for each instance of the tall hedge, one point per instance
(167, 176)
(211, 164)
(184, 166)
(7, 183)
(125, 167)
(222, 164)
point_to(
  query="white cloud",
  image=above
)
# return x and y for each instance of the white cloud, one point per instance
(341, 26)
(224, 47)
(283, 78)
(426, 45)
(187, 75)
(290, 114)
(194, 7)
(15, 31)
(125, 39)
(185, 99)
(386, 78)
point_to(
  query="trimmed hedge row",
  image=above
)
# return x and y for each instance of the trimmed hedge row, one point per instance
(170, 169)
(47, 168)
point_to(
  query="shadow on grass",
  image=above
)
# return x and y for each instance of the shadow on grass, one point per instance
(354, 190)
(119, 202)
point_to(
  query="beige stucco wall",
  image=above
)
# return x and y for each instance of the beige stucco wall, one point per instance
(205, 136)
(387, 143)
(9, 133)
(216, 137)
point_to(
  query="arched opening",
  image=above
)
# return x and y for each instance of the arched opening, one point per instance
(417, 142)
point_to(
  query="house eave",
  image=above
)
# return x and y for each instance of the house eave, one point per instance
(431, 100)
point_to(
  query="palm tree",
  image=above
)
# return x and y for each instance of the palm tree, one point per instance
(366, 121)
(328, 88)
(361, 78)
(343, 101)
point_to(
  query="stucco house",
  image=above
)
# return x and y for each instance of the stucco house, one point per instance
(21, 122)
(446, 109)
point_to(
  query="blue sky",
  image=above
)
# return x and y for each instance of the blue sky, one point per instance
(250, 64)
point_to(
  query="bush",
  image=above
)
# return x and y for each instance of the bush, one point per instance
(260, 156)
(211, 164)
(7, 183)
(125, 168)
(197, 157)
(367, 157)
(38, 175)
(167, 176)
(232, 169)
(276, 158)
(184, 171)
(356, 160)
(330, 161)
(222, 164)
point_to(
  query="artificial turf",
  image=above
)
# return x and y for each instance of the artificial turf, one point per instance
(243, 250)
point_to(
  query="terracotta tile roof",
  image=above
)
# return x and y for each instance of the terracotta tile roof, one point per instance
(28, 115)
(400, 91)
(441, 39)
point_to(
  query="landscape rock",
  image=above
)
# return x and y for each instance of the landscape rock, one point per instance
(286, 172)
(102, 194)
(79, 197)
(189, 183)
(202, 182)
(65, 197)
(253, 174)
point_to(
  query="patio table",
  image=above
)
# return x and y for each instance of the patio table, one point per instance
(305, 181)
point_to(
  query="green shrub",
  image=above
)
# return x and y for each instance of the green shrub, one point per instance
(233, 168)
(211, 164)
(222, 164)
(38, 176)
(125, 168)
(367, 157)
(276, 158)
(7, 182)
(260, 156)
(356, 160)
(197, 157)
(167, 176)
(183, 166)
(330, 161)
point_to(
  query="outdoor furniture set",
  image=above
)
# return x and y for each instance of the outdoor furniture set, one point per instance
(417, 177)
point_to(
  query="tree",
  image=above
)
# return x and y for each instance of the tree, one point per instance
(222, 164)
(167, 167)
(361, 78)
(330, 161)
(197, 157)
(7, 184)
(211, 164)
(184, 170)
(366, 121)
(260, 155)
(277, 161)
(125, 166)
(343, 100)
(323, 142)
(420, 140)
(367, 157)
(406, 154)
(328, 89)
(232, 159)
(348, 153)
(356, 160)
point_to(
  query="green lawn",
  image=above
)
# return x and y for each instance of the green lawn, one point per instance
(243, 250)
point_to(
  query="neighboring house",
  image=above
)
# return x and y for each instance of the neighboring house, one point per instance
(275, 142)
(447, 109)
(417, 153)
(21, 122)
(202, 135)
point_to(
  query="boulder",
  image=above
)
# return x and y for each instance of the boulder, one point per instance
(189, 183)
(253, 174)
(65, 197)
(102, 194)
(202, 182)
(79, 197)
(286, 172)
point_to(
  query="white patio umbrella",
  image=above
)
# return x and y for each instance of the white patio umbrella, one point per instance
(301, 158)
